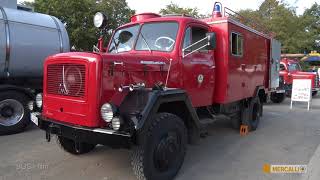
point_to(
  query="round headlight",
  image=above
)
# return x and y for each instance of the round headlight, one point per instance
(116, 123)
(99, 20)
(106, 112)
(30, 105)
(39, 100)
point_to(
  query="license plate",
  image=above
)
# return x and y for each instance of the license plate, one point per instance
(34, 118)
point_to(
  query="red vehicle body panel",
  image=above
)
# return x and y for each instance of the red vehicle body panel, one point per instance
(227, 78)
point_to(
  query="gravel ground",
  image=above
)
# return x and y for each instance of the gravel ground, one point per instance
(284, 137)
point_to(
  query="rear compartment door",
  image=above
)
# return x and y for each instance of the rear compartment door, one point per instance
(275, 63)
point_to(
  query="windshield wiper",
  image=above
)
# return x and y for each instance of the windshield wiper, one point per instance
(145, 41)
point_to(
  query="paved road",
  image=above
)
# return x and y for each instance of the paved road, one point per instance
(284, 137)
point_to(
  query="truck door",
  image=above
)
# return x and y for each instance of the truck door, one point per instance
(198, 67)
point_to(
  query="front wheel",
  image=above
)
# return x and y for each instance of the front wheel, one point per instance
(14, 115)
(161, 153)
(73, 147)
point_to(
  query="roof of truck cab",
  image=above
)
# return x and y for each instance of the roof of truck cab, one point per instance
(179, 19)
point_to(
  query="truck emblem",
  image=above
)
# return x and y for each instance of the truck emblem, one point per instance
(63, 87)
(200, 78)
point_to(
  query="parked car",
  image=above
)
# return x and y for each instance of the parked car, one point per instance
(290, 69)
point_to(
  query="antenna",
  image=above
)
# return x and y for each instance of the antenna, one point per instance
(165, 87)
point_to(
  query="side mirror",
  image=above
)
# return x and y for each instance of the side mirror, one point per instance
(212, 40)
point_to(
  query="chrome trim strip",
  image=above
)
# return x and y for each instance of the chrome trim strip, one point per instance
(8, 48)
(241, 25)
(60, 33)
(107, 131)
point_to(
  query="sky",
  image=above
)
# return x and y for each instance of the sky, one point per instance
(206, 6)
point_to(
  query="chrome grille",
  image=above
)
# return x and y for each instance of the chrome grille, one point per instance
(66, 79)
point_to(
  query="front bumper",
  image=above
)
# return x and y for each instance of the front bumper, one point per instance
(82, 134)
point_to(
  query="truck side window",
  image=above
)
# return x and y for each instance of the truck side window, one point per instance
(236, 44)
(282, 68)
(195, 36)
(187, 39)
(199, 34)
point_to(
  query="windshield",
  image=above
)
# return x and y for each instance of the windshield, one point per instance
(123, 39)
(157, 37)
(294, 67)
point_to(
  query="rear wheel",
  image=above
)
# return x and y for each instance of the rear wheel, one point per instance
(277, 97)
(73, 147)
(161, 153)
(251, 115)
(14, 114)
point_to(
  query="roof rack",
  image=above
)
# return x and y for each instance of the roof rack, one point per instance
(248, 22)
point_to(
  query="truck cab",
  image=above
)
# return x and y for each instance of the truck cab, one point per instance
(290, 69)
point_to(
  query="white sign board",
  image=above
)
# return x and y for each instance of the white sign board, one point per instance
(301, 91)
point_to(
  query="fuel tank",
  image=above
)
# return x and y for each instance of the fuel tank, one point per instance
(26, 39)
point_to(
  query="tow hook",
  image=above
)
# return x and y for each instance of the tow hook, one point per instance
(52, 129)
(77, 146)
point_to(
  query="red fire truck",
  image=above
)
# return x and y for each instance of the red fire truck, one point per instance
(157, 85)
(290, 69)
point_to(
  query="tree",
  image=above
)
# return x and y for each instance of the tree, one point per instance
(175, 9)
(77, 15)
(281, 19)
(310, 22)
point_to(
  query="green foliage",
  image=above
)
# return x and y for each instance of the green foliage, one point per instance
(298, 34)
(77, 15)
(311, 24)
(175, 9)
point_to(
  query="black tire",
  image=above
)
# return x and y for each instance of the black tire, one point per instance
(278, 97)
(252, 114)
(14, 112)
(69, 146)
(314, 93)
(161, 153)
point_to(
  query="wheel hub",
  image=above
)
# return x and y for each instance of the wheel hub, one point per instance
(7, 111)
(11, 112)
(166, 152)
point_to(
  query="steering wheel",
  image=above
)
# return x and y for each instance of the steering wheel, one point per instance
(170, 40)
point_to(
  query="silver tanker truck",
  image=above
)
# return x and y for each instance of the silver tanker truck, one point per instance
(26, 39)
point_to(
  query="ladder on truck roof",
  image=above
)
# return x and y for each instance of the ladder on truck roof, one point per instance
(246, 21)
